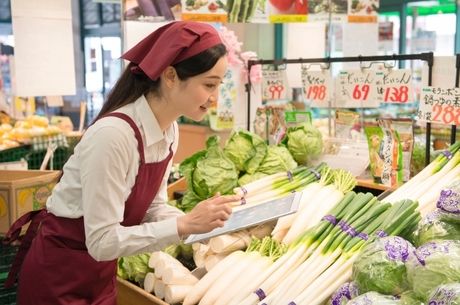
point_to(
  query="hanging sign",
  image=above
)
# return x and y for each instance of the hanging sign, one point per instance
(282, 11)
(203, 10)
(317, 87)
(440, 105)
(363, 11)
(355, 89)
(394, 86)
(228, 93)
(325, 11)
(247, 11)
(274, 86)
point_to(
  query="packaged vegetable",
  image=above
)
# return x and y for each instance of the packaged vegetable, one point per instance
(432, 227)
(381, 266)
(448, 294)
(405, 130)
(374, 298)
(449, 203)
(304, 142)
(246, 150)
(345, 293)
(410, 298)
(433, 264)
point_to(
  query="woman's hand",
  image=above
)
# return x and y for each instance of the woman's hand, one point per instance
(206, 215)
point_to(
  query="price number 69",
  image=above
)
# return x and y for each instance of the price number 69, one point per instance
(361, 92)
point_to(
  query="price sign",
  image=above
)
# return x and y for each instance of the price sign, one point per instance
(274, 86)
(317, 87)
(228, 94)
(440, 105)
(394, 86)
(355, 89)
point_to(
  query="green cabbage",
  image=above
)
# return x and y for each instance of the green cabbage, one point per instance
(208, 172)
(381, 266)
(278, 159)
(247, 178)
(374, 298)
(449, 203)
(134, 268)
(304, 142)
(448, 294)
(409, 298)
(433, 264)
(246, 150)
(433, 227)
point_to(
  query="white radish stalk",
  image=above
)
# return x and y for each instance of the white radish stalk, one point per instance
(257, 267)
(200, 288)
(258, 185)
(307, 194)
(163, 265)
(337, 274)
(149, 282)
(199, 255)
(279, 236)
(176, 293)
(212, 260)
(231, 275)
(178, 276)
(328, 196)
(261, 231)
(159, 289)
(271, 276)
(157, 257)
(229, 242)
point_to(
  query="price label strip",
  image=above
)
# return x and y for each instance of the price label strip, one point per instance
(274, 86)
(394, 86)
(356, 89)
(317, 87)
(439, 105)
(253, 215)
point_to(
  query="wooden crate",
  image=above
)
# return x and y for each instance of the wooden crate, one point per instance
(130, 294)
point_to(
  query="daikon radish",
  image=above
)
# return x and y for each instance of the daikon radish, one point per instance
(229, 242)
(200, 288)
(166, 264)
(178, 276)
(156, 257)
(159, 289)
(257, 267)
(176, 293)
(199, 255)
(231, 275)
(263, 230)
(149, 282)
(212, 260)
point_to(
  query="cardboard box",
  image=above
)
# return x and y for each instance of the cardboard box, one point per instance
(130, 294)
(23, 191)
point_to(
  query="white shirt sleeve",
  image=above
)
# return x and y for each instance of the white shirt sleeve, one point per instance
(105, 156)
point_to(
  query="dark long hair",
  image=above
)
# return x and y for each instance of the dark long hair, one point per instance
(130, 86)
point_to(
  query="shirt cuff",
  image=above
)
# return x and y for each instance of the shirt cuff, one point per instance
(165, 232)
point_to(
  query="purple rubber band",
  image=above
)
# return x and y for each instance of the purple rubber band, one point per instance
(316, 173)
(363, 236)
(447, 154)
(289, 175)
(245, 191)
(381, 233)
(261, 294)
(331, 219)
(243, 201)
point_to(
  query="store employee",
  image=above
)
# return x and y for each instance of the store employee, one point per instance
(110, 201)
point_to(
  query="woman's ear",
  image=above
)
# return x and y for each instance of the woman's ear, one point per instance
(169, 76)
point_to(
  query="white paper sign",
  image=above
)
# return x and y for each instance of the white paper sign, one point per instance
(317, 87)
(228, 93)
(44, 52)
(354, 89)
(439, 105)
(394, 86)
(55, 101)
(274, 86)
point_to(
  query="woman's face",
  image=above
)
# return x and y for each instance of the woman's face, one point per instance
(195, 95)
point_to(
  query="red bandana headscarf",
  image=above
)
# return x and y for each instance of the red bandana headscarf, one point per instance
(170, 45)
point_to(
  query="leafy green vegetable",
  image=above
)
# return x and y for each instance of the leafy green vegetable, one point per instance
(304, 142)
(449, 203)
(207, 172)
(246, 150)
(381, 266)
(433, 227)
(409, 298)
(433, 264)
(374, 298)
(345, 293)
(245, 179)
(134, 268)
(278, 159)
(448, 294)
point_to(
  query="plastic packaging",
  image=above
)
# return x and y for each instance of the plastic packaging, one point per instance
(374, 298)
(345, 293)
(432, 227)
(448, 294)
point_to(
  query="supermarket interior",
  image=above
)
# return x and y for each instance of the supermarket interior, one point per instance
(154, 151)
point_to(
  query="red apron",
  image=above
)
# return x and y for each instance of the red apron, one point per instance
(56, 266)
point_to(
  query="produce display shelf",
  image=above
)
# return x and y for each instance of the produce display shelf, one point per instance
(130, 294)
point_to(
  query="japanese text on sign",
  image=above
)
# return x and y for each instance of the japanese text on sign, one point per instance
(317, 87)
(355, 88)
(440, 105)
(274, 86)
(394, 86)
(228, 94)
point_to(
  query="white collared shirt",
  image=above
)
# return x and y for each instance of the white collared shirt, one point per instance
(98, 179)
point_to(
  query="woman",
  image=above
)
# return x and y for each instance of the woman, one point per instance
(110, 201)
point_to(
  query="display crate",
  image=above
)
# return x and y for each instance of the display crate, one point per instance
(15, 153)
(7, 254)
(60, 156)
